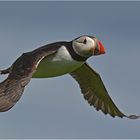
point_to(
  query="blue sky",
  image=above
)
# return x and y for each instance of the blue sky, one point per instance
(55, 108)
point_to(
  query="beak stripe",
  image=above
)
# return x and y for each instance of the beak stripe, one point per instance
(101, 48)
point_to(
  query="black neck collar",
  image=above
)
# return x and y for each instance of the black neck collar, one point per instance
(68, 45)
(73, 54)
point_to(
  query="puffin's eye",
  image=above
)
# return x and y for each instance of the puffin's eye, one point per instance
(85, 41)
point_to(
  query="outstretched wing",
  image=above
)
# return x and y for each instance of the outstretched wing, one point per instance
(95, 92)
(20, 74)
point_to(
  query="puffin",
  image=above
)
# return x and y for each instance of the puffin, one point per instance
(56, 59)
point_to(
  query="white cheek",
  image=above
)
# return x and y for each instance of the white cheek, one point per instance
(91, 43)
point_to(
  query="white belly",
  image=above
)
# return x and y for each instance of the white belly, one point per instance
(56, 65)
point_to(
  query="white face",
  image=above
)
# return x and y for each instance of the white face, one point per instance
(84, 46)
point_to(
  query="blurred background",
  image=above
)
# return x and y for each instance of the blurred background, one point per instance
(55, 108)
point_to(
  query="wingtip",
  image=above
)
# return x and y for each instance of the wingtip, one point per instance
(133, 117)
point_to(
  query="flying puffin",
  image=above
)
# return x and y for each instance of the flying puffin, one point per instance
(56, 59)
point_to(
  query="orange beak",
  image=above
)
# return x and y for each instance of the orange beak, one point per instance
(101, 48)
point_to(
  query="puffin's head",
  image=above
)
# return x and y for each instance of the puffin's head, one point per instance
(87, 46)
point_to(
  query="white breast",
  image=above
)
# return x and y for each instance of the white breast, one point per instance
(58, 64)
(62, 55)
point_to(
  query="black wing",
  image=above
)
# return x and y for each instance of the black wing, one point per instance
(19, 76)
(95, 92)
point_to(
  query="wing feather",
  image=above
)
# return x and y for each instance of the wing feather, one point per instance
(95, 92)
(20, 74)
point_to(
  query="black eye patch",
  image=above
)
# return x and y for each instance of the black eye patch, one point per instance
(85, 41)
